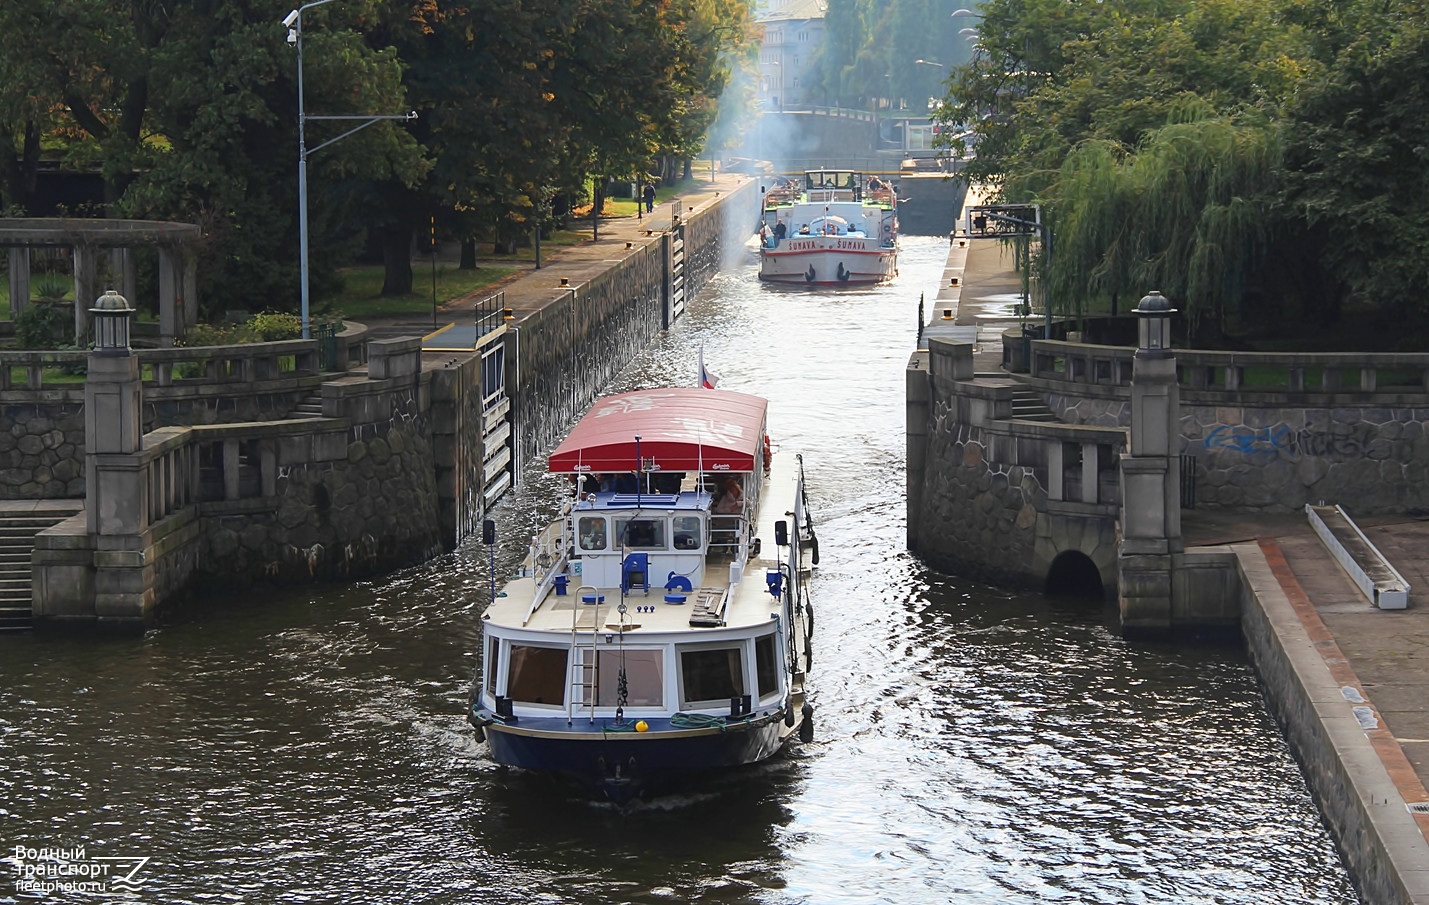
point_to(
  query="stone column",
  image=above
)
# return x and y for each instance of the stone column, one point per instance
(189, 263)
(19, 280)
(123, 276)
(84, 291)
(1150, 480)
(169, 281)
(116, 498)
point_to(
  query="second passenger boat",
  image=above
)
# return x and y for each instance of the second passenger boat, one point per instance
(833, 228)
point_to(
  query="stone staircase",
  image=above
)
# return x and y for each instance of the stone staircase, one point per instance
(310, 407)
(20, 521)
(1027, 405)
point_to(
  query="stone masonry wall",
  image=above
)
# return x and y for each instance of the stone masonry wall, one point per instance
(42, 449)
(42, 437)
(1371, 459)
(979, 516)
(366, 514)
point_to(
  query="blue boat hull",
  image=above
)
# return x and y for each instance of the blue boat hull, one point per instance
(620, 764)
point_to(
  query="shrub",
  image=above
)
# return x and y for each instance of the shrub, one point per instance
(42, 326)
(50, 287)
(271, 326)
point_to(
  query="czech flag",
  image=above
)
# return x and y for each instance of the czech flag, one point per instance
(707, 379)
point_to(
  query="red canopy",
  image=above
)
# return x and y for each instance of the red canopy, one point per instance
(680, 429)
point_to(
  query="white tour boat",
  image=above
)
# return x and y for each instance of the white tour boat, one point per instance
(835, 228)
(660, 625)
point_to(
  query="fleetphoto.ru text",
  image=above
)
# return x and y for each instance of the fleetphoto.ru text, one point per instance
(50, 870)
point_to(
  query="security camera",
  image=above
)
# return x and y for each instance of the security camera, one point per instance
(292, 36)
(290, 18)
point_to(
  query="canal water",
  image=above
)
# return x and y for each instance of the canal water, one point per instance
(973, 745)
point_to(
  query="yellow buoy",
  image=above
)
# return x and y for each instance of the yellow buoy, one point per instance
(641, 726)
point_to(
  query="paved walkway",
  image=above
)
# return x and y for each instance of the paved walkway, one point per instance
(1376, 659)
(532, 289)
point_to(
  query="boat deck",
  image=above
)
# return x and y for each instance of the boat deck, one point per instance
(712, 605)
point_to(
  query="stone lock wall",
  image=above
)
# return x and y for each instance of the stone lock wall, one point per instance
(367, 510)
(458, 451)
(985, 512)
(1373, 459)
(996, 498)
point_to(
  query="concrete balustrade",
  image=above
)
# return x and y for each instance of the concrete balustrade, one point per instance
(1387, 375)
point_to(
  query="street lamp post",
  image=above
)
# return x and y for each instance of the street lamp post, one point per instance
(293, 21)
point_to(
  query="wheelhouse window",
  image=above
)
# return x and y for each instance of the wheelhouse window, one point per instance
(592, 532)
(686, 529)
(766, 666)
(537, 675)
(712, 675)
(493, 652)
(644, 678)
(641, 533)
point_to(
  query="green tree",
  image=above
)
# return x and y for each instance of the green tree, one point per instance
(1356, 141)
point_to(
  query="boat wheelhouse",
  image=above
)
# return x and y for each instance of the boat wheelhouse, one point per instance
(659, 625)
(829, 228)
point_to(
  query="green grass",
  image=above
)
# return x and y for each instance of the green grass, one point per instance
(361, 296)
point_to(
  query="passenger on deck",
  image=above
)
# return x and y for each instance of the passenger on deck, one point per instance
(780, 231)
(731, 498)
(804, 230)
(624, 482)
(669, 481)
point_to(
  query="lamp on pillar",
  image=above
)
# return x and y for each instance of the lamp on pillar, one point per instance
(1153, 320)
(111, 313)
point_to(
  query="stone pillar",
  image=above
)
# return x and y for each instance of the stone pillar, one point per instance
(169, 279)
(123, 276)
(84, 291)
(19, 280)
(189, 263)
(116, 481)
(1150, 480)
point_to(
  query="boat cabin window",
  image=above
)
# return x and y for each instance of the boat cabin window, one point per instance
(644, 678)
(493, 653)
(641, 533)
(592, 533)
(687, 532)
(766, 665)
(537, 675)
(711, 676)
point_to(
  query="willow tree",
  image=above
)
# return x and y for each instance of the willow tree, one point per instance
(1189, 212)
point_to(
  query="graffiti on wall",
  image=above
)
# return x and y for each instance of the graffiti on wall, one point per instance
(1283, 443)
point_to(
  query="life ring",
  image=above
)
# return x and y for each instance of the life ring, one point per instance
(843, 274)
(809, 274)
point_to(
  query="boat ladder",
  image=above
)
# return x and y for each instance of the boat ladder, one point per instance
(584, 676)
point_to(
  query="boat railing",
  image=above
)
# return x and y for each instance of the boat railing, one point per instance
(548, 557)
(727, 536)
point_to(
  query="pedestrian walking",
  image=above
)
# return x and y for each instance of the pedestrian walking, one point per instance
(649, 198)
